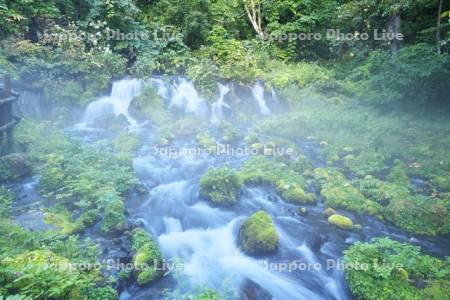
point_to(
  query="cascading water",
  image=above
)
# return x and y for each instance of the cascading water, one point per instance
(216, 107)
(29, 103)
(122, 93)
(204, 238)
(186, 97)
(258, 93)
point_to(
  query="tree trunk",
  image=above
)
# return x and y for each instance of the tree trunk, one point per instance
(394, 26)
(253, 10)
(438, 27)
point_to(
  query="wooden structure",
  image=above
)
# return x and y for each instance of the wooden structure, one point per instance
(7, 118)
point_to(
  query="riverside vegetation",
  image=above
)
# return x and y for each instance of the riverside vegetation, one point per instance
(375, 111)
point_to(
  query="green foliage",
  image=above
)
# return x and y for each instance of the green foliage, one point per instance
(417, 75)
(420, 214)
(80, 179)
(6, 200)
(147, 257)
(288, 183)
(389, 269)
(258, 235)
(126, 142)
(150, 106)
(221, 186)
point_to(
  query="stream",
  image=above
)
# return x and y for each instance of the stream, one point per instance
(203, 237)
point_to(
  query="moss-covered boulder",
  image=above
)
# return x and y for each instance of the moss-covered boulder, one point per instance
(207, 142)
(341, 221)
(221, 186)
(147, 258)
(258, 235)
(14, 166)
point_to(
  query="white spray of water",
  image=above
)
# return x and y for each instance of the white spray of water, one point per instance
(123, 92)
(161, 87)
(258, 93)
(216, 107)
(211, 255)
(185, 96)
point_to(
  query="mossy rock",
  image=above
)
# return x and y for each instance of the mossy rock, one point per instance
(221, 186)
(147, 257)
(341, 221)
(14, 167)
(258, 235)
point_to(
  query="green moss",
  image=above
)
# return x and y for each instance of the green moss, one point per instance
(147, 257)
(258, 234)
(367, 162)
(380, 191)
(221, 186)
(339, 193)
(288, 183)
(340, 221)
(61, 219)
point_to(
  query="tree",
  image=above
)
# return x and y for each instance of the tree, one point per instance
(253, 10)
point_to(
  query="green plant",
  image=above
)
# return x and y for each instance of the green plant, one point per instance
(221, 186)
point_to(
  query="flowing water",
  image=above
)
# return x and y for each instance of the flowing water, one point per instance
(204, 238)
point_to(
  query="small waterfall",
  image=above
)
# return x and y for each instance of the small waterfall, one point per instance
(216, 107)
(161, 87)
(186, 97)
(29, 103)
(258, 93)
(123, 92)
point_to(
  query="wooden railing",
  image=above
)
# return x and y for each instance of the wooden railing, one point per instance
(7, 118)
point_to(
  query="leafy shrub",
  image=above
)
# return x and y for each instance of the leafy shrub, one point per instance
(416, 74)
(258, 235)
(6, 199)
(389, 269)
(222, 186)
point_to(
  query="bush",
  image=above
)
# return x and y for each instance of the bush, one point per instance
(6, 200)
(392, 269)
(417, 74)
(258, 235)
(150, 106)
(221, 186)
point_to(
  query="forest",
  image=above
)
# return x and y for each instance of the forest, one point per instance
(224, 149)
